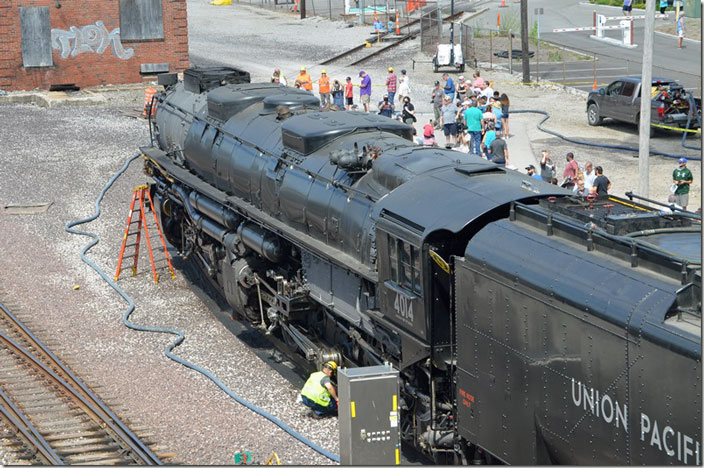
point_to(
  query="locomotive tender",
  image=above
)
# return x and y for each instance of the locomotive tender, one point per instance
(529, 326)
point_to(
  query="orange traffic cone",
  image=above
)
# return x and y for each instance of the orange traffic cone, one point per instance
(148, 108)
(594, 86)
(498, 20)
(398, 28)
(503, 4)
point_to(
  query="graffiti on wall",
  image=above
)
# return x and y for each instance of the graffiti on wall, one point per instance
(91, 38)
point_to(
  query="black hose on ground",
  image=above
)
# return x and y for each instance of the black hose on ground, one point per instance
(590, 143)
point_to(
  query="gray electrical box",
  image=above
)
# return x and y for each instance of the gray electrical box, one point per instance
(369, 416)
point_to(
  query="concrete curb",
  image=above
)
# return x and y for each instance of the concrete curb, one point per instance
(52, 99)
(92, 96)
(675, 37)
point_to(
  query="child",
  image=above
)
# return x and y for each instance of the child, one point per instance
(429, 134)
(349, 93)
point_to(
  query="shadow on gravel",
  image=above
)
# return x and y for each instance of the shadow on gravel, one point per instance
(222, 311)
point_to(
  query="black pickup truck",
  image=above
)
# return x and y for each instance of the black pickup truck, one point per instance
(620, 100)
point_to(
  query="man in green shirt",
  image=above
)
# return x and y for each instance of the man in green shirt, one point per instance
(682, 178)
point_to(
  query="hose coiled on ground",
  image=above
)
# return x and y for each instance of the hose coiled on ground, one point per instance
(599, 145)
(168, 350)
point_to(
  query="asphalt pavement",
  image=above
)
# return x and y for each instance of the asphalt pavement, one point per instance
(612, 61)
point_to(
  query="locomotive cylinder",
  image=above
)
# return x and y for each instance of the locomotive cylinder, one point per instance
(266, 245)
(214, 210)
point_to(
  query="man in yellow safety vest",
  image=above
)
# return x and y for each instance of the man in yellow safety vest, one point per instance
(319, 393)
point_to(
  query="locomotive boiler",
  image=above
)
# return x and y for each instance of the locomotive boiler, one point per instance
(529, 326)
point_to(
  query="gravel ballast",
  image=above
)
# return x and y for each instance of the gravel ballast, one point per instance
(66, 154)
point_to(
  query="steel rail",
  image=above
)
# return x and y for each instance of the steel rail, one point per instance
(28, 432)
(379, 37)
(384, 49)
(87, 400)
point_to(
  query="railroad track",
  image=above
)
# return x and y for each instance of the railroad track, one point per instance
(361, 53)
(49, 416)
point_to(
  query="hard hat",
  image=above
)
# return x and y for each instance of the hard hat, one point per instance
(391, 69)
(332, 365)
(325, 72)
(303, 68)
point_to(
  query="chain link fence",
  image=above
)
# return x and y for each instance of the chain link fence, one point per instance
(351, 11)
(435, 28)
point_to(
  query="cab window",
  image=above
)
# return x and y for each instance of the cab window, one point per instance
(404, 269)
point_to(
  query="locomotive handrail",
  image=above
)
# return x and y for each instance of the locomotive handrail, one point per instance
(647, 251)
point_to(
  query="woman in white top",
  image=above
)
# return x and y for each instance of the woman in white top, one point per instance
(404, 86)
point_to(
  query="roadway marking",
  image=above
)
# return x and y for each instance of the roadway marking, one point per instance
(567, 70)
(585, 78)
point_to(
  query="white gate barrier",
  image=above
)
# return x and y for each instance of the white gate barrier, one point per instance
(625, 25)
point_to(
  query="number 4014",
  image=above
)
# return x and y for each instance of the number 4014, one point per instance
(404, 307)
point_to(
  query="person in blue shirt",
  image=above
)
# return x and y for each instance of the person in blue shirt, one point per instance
(449, 87)
(627, 7)
(473, 121)
(489, 136)
(663, 6)
(680, 29)
(496, 109)
(531, 172)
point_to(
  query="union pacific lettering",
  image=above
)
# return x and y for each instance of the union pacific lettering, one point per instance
(666, 439)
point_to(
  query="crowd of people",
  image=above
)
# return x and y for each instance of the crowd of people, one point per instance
(472, 115)
(474, 118)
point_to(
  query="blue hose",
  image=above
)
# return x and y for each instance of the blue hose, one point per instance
(599, 145)
(179, 334)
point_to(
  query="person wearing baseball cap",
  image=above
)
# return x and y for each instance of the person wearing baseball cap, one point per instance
(365, 90)
(531, 172)
(391, 82)
(682, 179)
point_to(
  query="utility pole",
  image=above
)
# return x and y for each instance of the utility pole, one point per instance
(452, 32)
(646, 102)
(303, 9)
(524, 41)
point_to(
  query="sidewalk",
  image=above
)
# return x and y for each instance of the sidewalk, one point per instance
(520, 153)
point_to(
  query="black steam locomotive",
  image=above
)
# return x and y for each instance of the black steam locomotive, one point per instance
(529, 326)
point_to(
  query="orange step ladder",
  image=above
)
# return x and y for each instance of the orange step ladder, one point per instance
(142, 196)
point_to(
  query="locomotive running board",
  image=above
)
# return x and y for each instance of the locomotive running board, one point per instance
(316, 247)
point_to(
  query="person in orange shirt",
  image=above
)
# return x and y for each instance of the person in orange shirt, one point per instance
(304, 79)
(324, 88)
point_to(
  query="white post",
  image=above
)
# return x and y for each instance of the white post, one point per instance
(600, 23)
(626, 32)
(646, 102)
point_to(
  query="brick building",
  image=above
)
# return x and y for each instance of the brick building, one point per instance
(88, 43)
